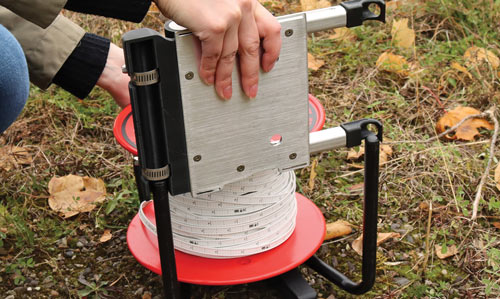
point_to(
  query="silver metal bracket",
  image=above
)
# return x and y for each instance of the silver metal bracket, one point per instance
(145, 78)
(157, 174)
(228, 141)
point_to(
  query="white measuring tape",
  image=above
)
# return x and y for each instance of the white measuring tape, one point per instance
(244, 218)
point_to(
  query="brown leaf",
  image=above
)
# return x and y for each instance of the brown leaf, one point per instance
(71, 194)
(106, 236)
(476, 55)
(450, 251)
(357, 244)
(337, 229)
(313, 63)
(343, 34)
(146, 295)
(312, 175)
(384, 154)
(458, 67)
(496, 224)
(468, 130)
(497, 176)
(402, 36)
(314, 4)
(393, 64)
(13, 156)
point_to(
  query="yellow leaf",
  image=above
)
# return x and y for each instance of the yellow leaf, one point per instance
(106, 236)
(313, 63)
(476, 55)
(337, 229)
(468, 130)
(357, 244)
(450, 251)
(13, 156)
(343, 33)
(497, 176)
(384, 154)
(71, 194)
(314, 4)
(312, 176)
(402, 36)
(393, 64)
(458, 67)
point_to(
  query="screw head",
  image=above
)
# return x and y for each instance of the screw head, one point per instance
(189, 75)
(240, 168)
(197, 158)
(288, 32)
(292, 156)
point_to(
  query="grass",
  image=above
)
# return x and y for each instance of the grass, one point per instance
(66, 135)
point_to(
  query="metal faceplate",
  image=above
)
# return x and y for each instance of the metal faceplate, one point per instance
(230, 140)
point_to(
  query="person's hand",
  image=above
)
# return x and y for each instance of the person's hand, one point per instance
(113, 79)
(225, 28)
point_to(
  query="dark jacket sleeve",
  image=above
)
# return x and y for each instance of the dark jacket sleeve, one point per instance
(128, 10)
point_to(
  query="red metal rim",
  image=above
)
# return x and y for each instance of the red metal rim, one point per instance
(302, 244)
(316, 114)
(125, 134)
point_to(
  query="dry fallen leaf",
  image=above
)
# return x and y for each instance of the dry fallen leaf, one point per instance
(458, 67)
(106, 236)
(476, 55)
(313, 63)
(357, 244)
(13, 156)
(384, 154)
(393, 63)
(497, 176)
(496, 224)
(312, 176)
(337, 229)
(450, 251)
(402, 36)
(468, 130)
(344, 34)
(71, 194)
(314, 4)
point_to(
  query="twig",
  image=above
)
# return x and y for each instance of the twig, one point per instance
(427, 238)
(435, 97)
(491, 113)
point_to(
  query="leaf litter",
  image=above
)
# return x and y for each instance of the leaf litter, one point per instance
(72, 194)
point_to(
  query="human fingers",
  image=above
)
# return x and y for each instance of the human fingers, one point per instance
(225, 65)
(270, 33)
(248, 50)
(211, 49)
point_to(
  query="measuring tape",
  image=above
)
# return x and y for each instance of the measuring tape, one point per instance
(244, 218)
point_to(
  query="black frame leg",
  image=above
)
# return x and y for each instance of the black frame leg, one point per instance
(292, 285)
(141, 182)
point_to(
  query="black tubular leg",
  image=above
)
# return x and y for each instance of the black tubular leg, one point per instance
(292, 285)
(165, 241)
(141, 182)
(369, 225)
(150, 133)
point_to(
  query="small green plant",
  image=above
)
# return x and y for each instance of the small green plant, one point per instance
(95, 290)
(17, 268)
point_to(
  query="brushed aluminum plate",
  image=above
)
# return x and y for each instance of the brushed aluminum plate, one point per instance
(230, 140)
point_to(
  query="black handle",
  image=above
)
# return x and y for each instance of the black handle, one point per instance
(355, 132)
(358, 11)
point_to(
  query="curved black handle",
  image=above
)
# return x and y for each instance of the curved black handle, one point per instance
(358, 11)
(358, 130)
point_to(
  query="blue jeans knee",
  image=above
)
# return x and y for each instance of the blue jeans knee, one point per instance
(14, 79)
